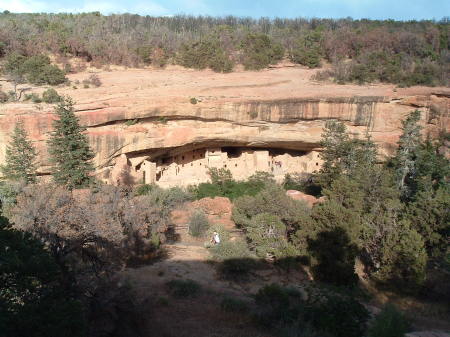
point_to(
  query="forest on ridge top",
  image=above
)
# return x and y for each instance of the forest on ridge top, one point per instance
(361, 51)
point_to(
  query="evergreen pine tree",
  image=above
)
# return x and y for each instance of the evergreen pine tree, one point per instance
(408, 144)
(343, 155)
(69, 149)
(20, 157)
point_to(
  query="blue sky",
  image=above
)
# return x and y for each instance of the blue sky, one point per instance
(374, 9)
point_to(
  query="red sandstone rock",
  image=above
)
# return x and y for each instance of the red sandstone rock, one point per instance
(309, 199)
(275, 108)
(214, 206)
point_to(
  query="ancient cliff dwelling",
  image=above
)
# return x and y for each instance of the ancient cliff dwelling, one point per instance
(192, 167)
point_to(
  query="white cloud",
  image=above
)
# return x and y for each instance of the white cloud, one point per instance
(24, 6)
(105, 7)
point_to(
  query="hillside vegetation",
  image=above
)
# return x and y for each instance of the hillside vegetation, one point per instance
(405, 53)
(68, 242)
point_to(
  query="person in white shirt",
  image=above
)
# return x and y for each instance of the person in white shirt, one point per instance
(216, 238)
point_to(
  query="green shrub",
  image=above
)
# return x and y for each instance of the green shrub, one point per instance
(307, 50)
(389, 323)
(237, 269)
(131, 122)
(267, 235)
(335, 256)
(278, 306)
(223, 185)
(168, 199)
(230, 304)
(34, 69)
(259, 51)
(3, 97)
(230, 250)
(144, 53)
(2, 49)
(198, 223)
(144, 189)
(204, 54)
(337, 314)
(302, 182)
(162, 301)
(193, 100)
(93, 79)
(33, 97)
(51, 96)
(322, 313)
(235, 259)
(184, 288)
(403, 259)
(271, 199)
(38, 70)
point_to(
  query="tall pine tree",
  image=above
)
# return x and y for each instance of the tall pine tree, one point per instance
(405, 159)
(69, 149)
(20, 157)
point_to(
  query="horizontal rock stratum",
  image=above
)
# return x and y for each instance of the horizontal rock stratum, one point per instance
(148, 114)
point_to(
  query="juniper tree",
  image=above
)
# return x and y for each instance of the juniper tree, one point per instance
(408, 144)
(69, 149)
(343, 155)
(20, 157)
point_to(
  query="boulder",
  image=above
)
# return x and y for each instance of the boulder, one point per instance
(309, 199)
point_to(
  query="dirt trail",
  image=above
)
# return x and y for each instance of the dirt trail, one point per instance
(187, 258)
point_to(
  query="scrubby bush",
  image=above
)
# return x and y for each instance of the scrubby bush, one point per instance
(389, 67)
(94, 80)
(403, 259)
(230, 250)
(388, 323)
(184, 288)
(131, 122)
(223, 185)
(234, 258)
(168, 199)
(267, 236)
(34, 69)
(327, 312)
(302, 182)
(337, 315)
(144, 189)
(308, 50)
(3, 97)
(271, 199)
(35, 298)
(335, 256)
(237, 269)
(38, 70)
(2, 49)
(51, 96)
(35, 98)
(278, 306)
(198, 223)
(156, 56)
(234, 305)
(204, 54)
(259, 51)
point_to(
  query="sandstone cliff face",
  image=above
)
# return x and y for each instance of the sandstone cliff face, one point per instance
(147, 114)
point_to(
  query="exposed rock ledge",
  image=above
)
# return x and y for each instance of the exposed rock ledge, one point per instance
(148, 114)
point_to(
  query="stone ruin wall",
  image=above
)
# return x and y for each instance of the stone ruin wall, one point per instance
(191, 167)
